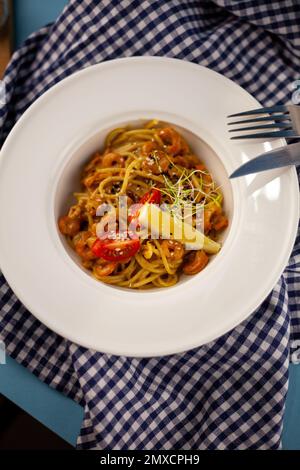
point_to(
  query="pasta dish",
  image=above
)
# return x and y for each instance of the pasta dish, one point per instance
(150, 168)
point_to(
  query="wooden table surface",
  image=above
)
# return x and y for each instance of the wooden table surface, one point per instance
(6, 39)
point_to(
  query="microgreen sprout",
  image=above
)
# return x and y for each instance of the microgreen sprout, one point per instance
(186, 191)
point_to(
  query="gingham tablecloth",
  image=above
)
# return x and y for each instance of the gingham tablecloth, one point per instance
(228, 394)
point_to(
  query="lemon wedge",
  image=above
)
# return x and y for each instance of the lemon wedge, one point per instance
(163, 224)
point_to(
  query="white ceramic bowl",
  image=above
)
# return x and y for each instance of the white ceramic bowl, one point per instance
(40, 167)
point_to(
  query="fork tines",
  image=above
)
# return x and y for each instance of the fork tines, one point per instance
(278, 123)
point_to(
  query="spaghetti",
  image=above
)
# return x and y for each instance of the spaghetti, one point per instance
(151, 164)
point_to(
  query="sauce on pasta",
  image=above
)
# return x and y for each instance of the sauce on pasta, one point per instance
(150, 165)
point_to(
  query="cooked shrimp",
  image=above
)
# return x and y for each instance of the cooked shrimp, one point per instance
(157, 162)
(82, 248)
(104, 268)
(112, 159)
(186, 161)
(175, 144)
(213, 210)
(69, 226)
(172, 249)
(200, 167)
(182, 161)
(75, 212)
(220, 223)
(94, 178)
(194, 160)
(196, 261)
(148, 147)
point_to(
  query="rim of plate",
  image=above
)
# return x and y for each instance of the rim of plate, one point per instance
(226, 326)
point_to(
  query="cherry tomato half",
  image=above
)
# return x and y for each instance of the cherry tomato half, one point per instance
(151, 197)
(116, 250)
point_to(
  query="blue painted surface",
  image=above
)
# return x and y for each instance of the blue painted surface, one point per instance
(291, 426)
(48, 406)
(32, 14)
(58, 413)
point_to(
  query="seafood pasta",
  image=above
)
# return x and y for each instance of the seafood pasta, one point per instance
(151, 165)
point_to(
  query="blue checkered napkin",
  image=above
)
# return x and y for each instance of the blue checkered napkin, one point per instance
(228, 394)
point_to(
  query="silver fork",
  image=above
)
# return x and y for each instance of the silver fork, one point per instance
(280, 121)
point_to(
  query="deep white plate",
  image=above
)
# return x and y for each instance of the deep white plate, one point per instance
(39, 168)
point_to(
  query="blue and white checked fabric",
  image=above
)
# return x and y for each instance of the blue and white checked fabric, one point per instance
(228, 394)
